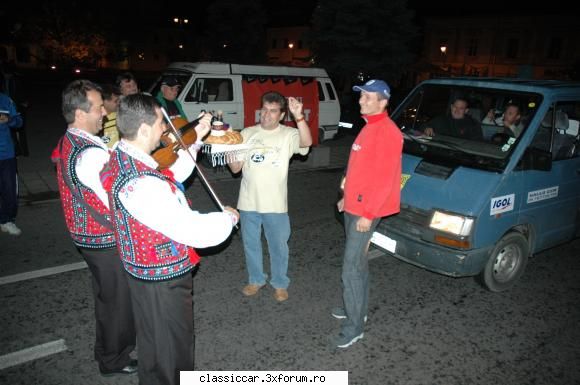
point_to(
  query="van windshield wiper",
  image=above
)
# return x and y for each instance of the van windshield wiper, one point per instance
(447, 144)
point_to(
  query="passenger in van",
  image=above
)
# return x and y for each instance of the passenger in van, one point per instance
(510, 120)
(167, 97)
(457, 123)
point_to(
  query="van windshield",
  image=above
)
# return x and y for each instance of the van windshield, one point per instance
(470, 126)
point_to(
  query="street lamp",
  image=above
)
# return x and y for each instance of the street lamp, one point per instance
(291, 46)
(180, 25)
(443, 49)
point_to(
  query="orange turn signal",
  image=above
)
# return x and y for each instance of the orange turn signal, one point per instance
(456, 243)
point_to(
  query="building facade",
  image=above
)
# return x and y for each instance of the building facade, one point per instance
(537, 47)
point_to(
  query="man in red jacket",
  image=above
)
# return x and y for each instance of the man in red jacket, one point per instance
(371, 191)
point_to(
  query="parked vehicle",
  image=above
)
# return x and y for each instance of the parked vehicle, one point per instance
(484, 206)
(236, 89)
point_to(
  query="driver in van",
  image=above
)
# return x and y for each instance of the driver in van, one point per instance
(510, 120)
(458, 123)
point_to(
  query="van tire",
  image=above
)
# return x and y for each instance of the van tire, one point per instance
(506, 263)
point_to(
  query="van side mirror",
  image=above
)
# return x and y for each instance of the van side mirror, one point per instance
(536, 159)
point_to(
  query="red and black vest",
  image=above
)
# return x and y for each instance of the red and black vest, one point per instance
(146, 254)
(80, 203)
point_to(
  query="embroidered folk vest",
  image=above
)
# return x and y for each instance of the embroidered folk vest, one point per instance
(146, 254)
(86, 230)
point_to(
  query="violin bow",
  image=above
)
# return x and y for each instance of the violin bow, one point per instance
(197, 167)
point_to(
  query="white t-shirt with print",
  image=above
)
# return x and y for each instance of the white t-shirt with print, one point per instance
(264, 186)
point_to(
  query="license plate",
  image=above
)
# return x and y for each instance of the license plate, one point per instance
(385, 242)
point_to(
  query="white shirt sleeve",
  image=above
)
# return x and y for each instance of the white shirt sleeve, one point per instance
(151, 201)
(183, 166)
(89, 164)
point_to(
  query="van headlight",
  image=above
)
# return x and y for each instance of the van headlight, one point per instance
(451, 223)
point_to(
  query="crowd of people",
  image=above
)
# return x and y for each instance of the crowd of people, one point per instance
(142, 255)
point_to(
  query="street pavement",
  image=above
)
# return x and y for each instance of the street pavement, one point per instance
(423, 328)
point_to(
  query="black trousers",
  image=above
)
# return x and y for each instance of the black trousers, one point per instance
(115, 325)
(8, 190)
(164, 321)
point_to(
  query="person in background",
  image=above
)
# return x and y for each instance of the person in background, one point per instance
(157, 231)
(79, 157)
(263, 199)
(127, 84)
(458, 124)
(167, 97)
(371, 191)
(510, 120)
(111, 97)
(10, 119)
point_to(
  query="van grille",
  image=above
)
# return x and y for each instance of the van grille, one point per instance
(410, 220)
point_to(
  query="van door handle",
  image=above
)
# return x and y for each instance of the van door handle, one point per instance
(231, 113)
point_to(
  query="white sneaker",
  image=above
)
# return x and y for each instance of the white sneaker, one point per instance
(10, 228)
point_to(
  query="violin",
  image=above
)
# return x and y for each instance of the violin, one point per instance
(166, 154)
(186, 148)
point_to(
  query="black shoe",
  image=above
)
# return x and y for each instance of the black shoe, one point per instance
(131, 368)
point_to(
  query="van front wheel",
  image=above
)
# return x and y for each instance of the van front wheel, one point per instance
(506, 263)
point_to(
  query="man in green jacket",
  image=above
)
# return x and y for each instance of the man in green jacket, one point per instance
(167, 97)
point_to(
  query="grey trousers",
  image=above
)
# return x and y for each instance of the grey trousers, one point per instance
(355, 275)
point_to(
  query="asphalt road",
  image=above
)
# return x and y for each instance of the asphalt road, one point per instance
(423, 328)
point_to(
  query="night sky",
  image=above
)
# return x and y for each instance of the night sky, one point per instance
(132, 13)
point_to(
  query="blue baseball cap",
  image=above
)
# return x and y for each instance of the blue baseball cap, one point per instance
(375, 85)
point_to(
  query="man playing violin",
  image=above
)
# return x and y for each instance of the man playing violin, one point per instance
(157, 232)
(79, 157)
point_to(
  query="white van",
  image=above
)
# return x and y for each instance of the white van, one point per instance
(235, 89)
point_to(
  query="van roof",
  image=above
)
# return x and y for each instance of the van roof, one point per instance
(542, 86)
(243, 69)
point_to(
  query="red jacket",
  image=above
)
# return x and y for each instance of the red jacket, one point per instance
(373, 178)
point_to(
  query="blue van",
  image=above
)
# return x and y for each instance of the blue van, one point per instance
(481, 193)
